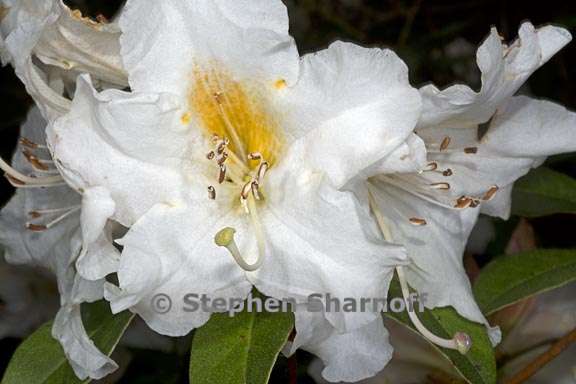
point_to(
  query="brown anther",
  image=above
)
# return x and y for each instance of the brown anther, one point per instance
(14, 181)
(33, 160)
(222, 175)
(27, 143)
(445, 143)
(417, 221)
(447, 172)
(474, 203)
(261, 172)
(254, 156)
(210, 155)
(255, 190)
(221, 148)
(431, 167)
(34, 214)
(211, 193)
(218, 97)
(222, 158)
(471, 150)
(36, 227)
(490, 193)
(463, 202)
(442, 186)
(246, 190)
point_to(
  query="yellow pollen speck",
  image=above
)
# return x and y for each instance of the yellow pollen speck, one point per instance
(236, 110)
(280, 84)
(186, 118)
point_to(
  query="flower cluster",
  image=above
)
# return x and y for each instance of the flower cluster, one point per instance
(188, 147)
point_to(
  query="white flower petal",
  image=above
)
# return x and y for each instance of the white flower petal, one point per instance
(98, 257)
(136, 161)
(171, 251)
(504, 70)
(79, 44)
(352, 106)
(436, 248)
(55, 248)
(84, 357)
(409, 157)
(348, 357)
(163, 41)
(322, 242)
(21, 245)
(521, 135)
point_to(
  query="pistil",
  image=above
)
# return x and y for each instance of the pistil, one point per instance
(461, 341)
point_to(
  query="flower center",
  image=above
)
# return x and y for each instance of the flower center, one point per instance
(237, 111)
(246, 142)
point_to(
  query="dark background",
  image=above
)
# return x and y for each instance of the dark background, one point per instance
(419, 31)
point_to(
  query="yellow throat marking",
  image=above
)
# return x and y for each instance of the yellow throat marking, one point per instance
(235, 110)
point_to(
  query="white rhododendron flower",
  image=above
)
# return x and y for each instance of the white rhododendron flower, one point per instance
(225, 159)
(478, 144)
(47, 43)
(40, 226)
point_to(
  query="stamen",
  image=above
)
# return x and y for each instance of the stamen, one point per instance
(18, 184)
(30, 144)
(431, 167)
(36, 227)
(490, 194)
(225, 238)
(211, 193)
(244, 194)
(222, 175)
(14, 175)
(221, 148)
(471, 150)
(261, 172)
(461, 341)
(14, 182)
(246, 190)
(445, 143)
(255, 191)
(463, 202)
(441, 186)
(255, 156)
(210, 155)
(418, 222)
(447, 172)
(34, 161)
(43, 227)
(222, 159)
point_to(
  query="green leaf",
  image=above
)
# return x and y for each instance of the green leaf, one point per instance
(240, 349)
(509, 279)
(40, 358)
(544, 192)
(478, 366)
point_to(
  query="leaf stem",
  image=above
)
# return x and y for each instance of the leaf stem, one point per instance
(537, 364)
